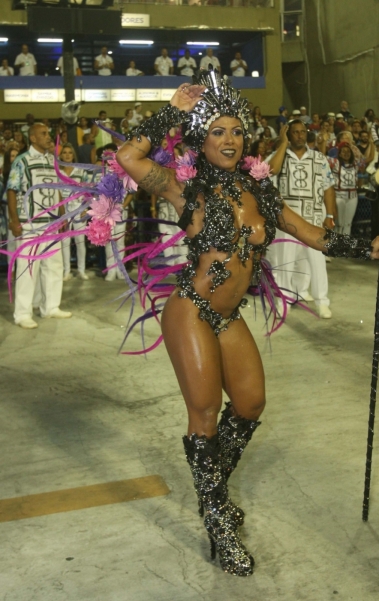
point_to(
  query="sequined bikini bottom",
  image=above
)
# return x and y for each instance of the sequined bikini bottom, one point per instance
(217, 322)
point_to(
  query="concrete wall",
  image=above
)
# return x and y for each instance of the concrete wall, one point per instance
(343, 54)
(184, 17)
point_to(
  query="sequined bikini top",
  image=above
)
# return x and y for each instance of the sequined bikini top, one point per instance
(219, 230)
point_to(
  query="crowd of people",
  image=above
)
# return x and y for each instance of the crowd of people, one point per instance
(333, 152)
(25, 64)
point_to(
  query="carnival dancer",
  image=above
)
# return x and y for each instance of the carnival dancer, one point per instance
(35, 167)
(229, 218)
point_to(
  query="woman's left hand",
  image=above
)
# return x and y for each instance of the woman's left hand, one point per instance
(375, 248)
(187, 96)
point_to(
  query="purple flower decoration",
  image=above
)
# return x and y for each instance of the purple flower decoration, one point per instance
(160, 156)
(110, 186)
(188, 159)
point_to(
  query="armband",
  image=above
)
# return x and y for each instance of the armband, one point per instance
(156, 127)
(342, 245)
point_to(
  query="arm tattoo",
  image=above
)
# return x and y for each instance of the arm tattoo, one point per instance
(287, 227)
(136, 147)
(156, 181)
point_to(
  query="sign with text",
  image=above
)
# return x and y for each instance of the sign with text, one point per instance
(167, 94)
(45, 95)
(17, 95)
(151, 95)
(123, 95)
(62, 95)
(97, 95)
(135, 20)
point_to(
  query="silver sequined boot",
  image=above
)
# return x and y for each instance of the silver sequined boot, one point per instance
(234, 433)
(204, 457)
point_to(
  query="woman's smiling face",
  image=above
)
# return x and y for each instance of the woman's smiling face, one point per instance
(223, 146)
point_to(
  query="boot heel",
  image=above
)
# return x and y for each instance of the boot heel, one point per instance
(213, 547)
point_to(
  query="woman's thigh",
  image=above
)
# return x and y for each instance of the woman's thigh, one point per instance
(243, 375)
(194, 351)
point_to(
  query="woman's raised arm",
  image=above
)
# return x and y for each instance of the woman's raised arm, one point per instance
(132, 156)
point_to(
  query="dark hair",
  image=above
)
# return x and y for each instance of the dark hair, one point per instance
(7, 165)
(99, 151)
(254, 148)
(352, 157)
(311, 136)
(294, 122)
(369, 111)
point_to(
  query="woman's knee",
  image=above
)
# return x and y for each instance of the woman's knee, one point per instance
(250, 408)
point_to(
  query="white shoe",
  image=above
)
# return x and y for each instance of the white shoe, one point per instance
(110, 277)
(28, 323)
(82, 275)
(305, 296)
(328, 259)
(324, 311)
(59, 314)
(68, 276)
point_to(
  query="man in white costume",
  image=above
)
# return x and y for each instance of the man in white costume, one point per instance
(36, 166)
(306, 184)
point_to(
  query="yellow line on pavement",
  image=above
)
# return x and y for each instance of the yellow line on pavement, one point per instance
(82, 497)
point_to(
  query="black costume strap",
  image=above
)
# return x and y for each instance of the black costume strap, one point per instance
(342, 245)
(157, 126)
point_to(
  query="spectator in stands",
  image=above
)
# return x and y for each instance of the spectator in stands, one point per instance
(21, 141)
(375, 131)
(339, 123)
(163, 64)
(345, 110)
(369, 118)
(7, 136)
(356, 129)
(85, 149)
(186, 65)
(29, 122)
(5, 69)
(282, 118)
(304, 117)
(9, 157)
(137, 115)
(264, 125)
(26, 62)
(311, 140)
(316, 123)
(238, 66)
(104, 64)
(127, 123)
(210, 59)
(366, 146)
(258, 148)
(101, 137)
(132, 71)
(75, 66)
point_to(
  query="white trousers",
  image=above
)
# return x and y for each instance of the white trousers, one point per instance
(80, 242)
(347, 203)
(296, 266)
(118, 232)
(48, 273)
(166, 211)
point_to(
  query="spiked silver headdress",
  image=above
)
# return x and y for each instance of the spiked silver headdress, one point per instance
(218, 100)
